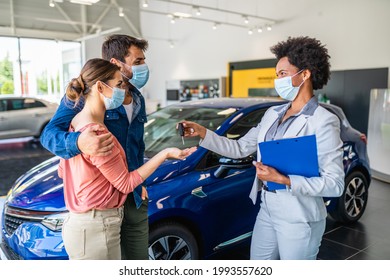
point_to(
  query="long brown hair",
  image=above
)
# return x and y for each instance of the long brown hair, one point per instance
(94, 70)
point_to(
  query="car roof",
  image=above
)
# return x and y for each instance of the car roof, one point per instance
(46, 102)
(19, 97)
(226, 102)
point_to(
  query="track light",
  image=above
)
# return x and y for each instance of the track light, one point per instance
(51, 3)
(197, 11)
(171, 44)
(250, 32)
(121, 13)
(173, 20)
(145, 4)
(215, 26)
(269, 28)
(259, 29)
(246, 19)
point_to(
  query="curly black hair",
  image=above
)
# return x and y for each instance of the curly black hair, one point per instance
(306, 53)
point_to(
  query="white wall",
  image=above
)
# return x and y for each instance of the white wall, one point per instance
(356, 32)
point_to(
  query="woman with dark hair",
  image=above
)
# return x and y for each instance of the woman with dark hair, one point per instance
(96, 187)
(291, 221)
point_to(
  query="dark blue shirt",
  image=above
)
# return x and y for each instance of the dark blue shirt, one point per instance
(58, 140)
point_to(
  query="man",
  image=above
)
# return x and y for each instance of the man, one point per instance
(126, 123)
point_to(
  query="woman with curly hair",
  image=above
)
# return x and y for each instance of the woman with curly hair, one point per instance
(291, 221)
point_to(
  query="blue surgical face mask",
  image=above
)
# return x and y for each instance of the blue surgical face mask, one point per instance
(140, 74)
(285, 88)
(116, 100)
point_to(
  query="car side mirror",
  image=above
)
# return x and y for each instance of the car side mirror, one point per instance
(230, 163)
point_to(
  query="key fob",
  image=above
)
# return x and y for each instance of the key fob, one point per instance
(180, 127)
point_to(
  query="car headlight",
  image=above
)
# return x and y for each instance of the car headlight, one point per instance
(54, 222)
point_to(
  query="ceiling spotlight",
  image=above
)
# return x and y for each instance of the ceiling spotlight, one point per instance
(269, 28)
(215, 26)
(259, 29)
(173, 20)
(51, 3)
(250, 32)
(197, 11)
(246, 19)
(171, 44)
(121, 13)
(84, 2)
(145, 4)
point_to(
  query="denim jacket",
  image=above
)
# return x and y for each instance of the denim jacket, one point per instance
(58, 140)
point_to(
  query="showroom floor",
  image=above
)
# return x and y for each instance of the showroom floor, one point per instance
(369, 239)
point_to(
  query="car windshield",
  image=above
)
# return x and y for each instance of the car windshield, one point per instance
(161, 132)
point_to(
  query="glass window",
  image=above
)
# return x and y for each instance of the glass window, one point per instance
(238, 130)
(160, 130)
(42, 68)
(9, 66)
(3, 105)
(32, 103)
(47, 71)
(16, 104)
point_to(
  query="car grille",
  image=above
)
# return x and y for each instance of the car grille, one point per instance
(12, 223)
(10, 254)
(14, 217)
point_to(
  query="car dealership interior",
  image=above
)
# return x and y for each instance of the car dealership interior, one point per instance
(209, 62)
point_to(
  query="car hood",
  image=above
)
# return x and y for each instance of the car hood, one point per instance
(40, 189)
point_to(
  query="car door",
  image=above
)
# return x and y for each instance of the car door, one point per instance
(22, 118)
(11, 120)
(229, 212)
(4, 124)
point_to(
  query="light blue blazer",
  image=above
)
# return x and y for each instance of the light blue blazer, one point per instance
(304, 203)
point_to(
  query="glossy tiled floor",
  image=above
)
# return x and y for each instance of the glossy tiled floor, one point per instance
(368, 239)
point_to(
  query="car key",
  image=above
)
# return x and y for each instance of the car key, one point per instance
(181, 131)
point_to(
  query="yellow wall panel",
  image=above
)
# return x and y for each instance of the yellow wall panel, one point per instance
(243, 80)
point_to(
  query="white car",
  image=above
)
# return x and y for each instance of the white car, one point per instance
(24, 116)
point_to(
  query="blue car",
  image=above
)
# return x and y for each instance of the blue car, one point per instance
(198, 207)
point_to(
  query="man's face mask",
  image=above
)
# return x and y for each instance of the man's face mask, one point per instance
(140, 74)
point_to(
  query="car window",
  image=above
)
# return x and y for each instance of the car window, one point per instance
(31, 103)
(3, 105)
(238, 130)
(15, 104)
(241, 127)
(161, 132)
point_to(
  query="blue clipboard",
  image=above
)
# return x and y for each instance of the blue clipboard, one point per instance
(291, 156)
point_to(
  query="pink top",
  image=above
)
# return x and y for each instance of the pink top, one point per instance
(97, 182)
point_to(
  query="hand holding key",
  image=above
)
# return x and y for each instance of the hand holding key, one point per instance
(191, 129)
(180, 127)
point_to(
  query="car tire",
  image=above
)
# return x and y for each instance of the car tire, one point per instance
(352, 203)
(172, 241)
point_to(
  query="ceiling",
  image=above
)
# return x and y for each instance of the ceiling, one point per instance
(65, 20)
